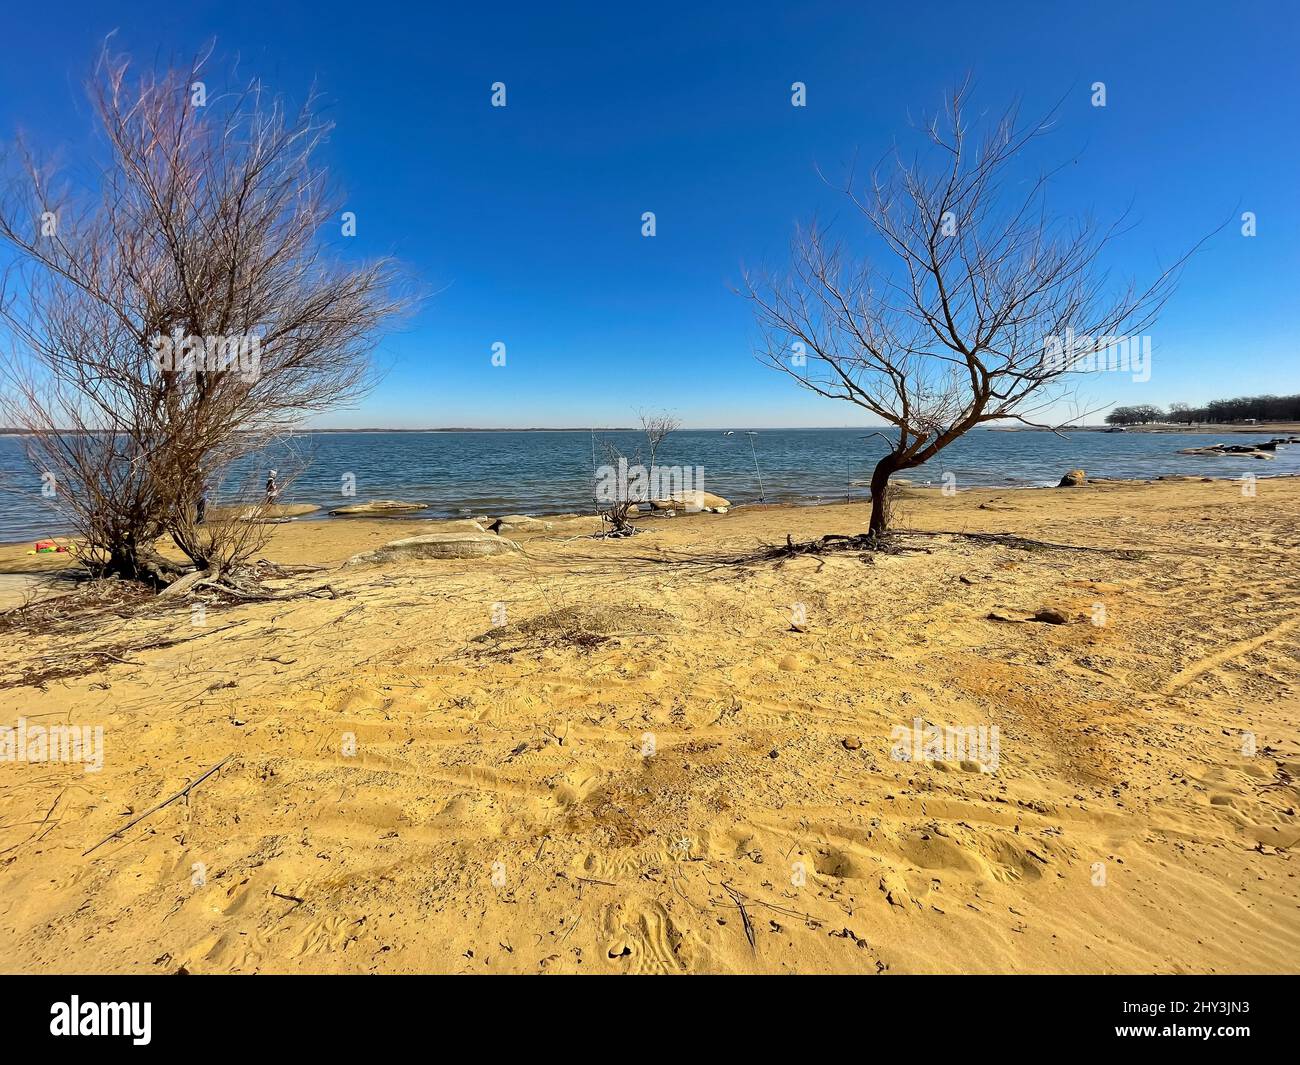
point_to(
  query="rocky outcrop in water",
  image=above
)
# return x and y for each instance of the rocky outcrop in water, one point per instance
(378, 506)
(1249, 451)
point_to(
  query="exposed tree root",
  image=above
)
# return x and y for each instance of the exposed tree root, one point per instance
(250, 594)
(831, 543)
(265, 567)
(241, 586)
(232, 587)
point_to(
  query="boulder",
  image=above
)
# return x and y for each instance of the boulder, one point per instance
(519, 523)
(439, 546)
(378, 506)
(1073, 479)
(691, 502)
(1242, 450)
(275, 513)
(290, 510)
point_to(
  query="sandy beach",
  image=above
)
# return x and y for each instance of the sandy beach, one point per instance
(650, 768)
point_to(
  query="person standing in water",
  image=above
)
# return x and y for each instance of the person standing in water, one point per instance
(272, 489)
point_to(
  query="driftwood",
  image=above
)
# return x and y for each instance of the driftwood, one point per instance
(234, 586)
(830, 543)
(166, 802)
(248, 593)
(183, 584)
(282, 569)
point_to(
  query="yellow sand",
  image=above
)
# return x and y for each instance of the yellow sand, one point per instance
(501, 812)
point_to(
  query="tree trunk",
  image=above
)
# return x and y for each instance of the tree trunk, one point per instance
(131, 562)
(879, 488)
(123, 561)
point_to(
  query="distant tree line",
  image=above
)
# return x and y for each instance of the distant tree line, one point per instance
(1140, 415)
(1260, 408)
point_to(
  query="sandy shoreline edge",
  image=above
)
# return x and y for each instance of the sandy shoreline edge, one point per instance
(322, 514)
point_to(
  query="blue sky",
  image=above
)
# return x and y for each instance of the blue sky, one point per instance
(525, 221)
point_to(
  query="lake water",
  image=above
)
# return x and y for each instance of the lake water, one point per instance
(497, 473)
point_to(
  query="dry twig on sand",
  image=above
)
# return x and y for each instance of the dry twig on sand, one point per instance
(166, 802)
(739, 900)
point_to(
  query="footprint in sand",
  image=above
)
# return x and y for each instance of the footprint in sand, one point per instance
(642, 938)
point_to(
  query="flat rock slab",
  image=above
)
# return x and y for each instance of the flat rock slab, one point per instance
(379, 506)
(276, 512)
(1231, 450)
(692, 502)
(459, 525)
(439, 546)
(520, 523)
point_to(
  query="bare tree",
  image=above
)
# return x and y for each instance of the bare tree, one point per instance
(958, 329)
(615, 499)
(181, 313)
(657, 428)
